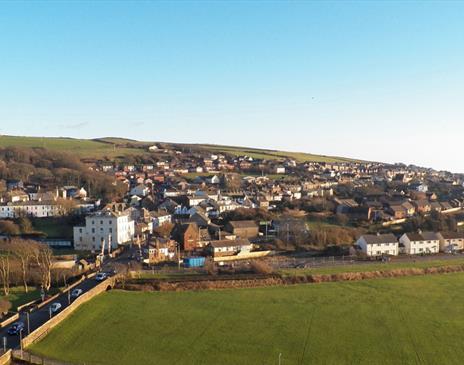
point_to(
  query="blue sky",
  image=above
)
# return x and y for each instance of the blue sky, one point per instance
(374, 80)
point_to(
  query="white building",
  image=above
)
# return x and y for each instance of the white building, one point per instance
(102, 226)
(451, 241)
(378, 245)
(140, 190)
(31, 209)
(420, 243)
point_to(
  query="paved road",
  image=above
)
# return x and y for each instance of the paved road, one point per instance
(39, 317)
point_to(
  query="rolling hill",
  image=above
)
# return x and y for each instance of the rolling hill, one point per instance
(113, 147)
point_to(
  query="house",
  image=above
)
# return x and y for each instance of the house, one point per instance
(102, 228)
(31, 209)
(140, 190)
(243, 229)
(422, 206)
(279, 170)
(451, 241)
(227, 247)
(420, 243)
(410, 209)
(158, 250)
(398, 211)
(187, 235)
(378, 245)
(160, 217)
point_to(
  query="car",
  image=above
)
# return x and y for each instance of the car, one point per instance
(16, 328)
(55, 307)
(75, 293)
(101, 276)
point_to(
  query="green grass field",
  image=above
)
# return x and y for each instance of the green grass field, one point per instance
(375, 266)
(19, 297)
(274, 155)
(111, 147)
(409, 320)
(84, 148)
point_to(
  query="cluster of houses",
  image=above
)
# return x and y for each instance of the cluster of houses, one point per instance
(419, 243)
(26, 199)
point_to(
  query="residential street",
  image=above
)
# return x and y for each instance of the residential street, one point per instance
(39, 317)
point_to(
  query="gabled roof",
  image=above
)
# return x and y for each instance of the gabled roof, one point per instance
(243, 224)
(372, 239)
(423, 236)
(230, 243)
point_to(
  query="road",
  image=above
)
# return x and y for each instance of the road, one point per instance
(39, 317)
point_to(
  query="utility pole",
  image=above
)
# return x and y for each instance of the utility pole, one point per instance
(280, 358)
(28, 323)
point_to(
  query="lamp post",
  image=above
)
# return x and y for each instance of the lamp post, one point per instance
(28, 323)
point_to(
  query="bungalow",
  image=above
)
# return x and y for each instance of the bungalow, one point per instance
(420, 243)
(226, 247)
(378, 245)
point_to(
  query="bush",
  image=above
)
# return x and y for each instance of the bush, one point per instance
(261, 267)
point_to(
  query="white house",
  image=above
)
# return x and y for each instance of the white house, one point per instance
(31, 209)
(378, 245)
(140, 190)
(102, 227)
(451, 241)
(160, 217)
(420, 243)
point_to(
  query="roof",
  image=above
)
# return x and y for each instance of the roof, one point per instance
(372, 239)
(229, 243)
(452, 235)
(423, 236)
(243, 224)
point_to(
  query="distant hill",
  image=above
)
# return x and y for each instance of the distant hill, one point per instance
(115, 147)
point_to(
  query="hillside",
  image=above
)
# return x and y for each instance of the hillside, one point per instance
(112, 147)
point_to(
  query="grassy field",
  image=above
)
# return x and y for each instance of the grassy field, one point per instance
(274, 155)
(377, 266)
(82, 147)
(19, 297)
(410, 320)
(117, 147)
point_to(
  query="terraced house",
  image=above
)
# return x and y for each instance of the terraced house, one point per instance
(378, 245)
(420, 243)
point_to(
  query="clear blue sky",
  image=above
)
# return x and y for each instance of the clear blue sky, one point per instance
(374, 80)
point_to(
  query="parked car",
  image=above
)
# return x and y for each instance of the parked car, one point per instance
(101, 276)
(55, 307)
(16, 328)
(75, 293)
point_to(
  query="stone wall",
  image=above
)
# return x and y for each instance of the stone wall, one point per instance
(46, 327)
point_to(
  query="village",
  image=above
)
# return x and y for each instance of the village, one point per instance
(184, 203)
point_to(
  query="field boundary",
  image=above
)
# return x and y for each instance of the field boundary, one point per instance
(252, 281)
(43, 330)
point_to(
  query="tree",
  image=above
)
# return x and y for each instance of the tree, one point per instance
(164, 230)
(5, 269)
(9, 228)
(25, 225)
(5, 306)
(24, 251)
(44, 257)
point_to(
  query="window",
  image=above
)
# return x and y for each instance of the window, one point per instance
(93, 230)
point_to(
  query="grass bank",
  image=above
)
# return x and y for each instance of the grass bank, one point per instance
(392, 321)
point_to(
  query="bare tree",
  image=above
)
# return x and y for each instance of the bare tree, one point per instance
(24, 251)
(5, 270)
(45, 256)
(5, 306)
